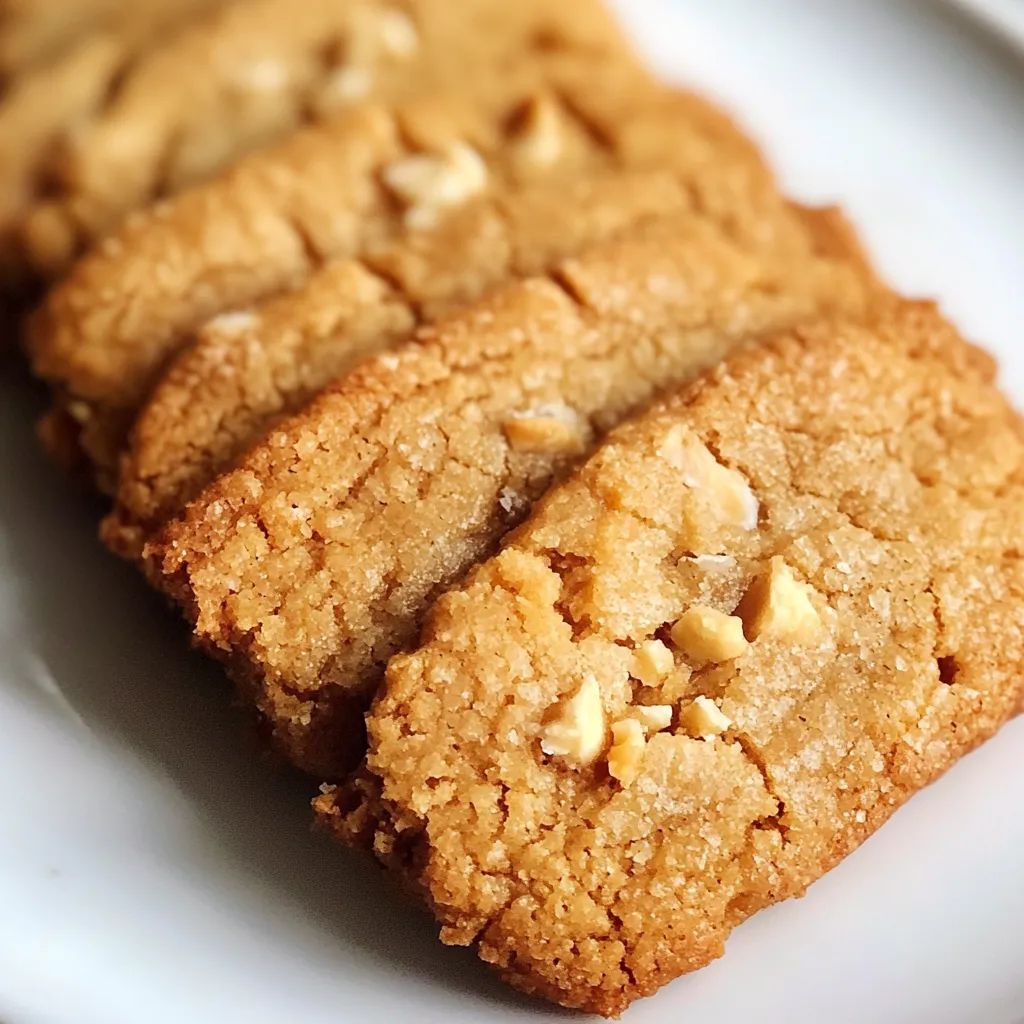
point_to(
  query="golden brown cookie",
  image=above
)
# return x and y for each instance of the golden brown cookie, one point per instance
(711, 664)
(248, 368)
(106, 334)
(250, 74)
(43, 106)
(34, 32)
(310, 565)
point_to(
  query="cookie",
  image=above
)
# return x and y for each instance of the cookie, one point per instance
(246, 369)
(105, 333)
(711, 664)
(309, 565)
(35, 32)
(44, 105)
(257, 70)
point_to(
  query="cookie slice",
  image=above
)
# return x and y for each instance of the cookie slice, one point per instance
(37, 32)
(256, 71)
(307, 567)
(106, 334)
(711, 664)
(246, 369)
(42, 107)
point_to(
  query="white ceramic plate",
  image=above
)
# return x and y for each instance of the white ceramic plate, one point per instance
(153, 872)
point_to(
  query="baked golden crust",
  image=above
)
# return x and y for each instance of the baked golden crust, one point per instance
(45, 104)
(105, 335)
(310, 565)
(253, 72)
(879, 585)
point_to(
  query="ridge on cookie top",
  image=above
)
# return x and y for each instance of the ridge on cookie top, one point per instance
(710, 664)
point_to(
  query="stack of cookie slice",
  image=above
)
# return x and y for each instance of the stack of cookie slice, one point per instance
(324, 379)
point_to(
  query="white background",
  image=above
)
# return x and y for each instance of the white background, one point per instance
(152, 871)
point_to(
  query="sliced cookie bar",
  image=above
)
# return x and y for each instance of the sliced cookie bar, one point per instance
(257, 70)
(44, 106)
(711, 664)
(106, 334)
(307, 567)
(35, 32)
(247, 369)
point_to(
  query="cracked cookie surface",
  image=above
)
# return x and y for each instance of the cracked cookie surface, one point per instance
(880, 593)
(105, 335)
(310, 564)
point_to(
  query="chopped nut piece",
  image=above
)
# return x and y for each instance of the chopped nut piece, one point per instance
(714, 563)
(398, 35)
(266, 77)
(541, 136)
(627, 751)
(579, 732)
(652, 661)
(703, 720)
(652, 717)
(545, 430)
(429, 184)
(234, 323)
(706, 634)
(728, 491)
(79, 411)
(347, 85)
(777, 605)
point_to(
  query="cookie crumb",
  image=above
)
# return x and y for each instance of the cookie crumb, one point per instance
(627, 751)
(703, 719)
(578, 734)
(777, 605)
(706, 634)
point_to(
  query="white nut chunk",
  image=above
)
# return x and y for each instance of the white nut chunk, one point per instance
(652, 717)
(726, 490)
(777, 605)
(706, 634)
(703, 719)
(541, 137)
(627, 751)
(398, 35)
(429, 184)
(547, 430)
(652, 662)
(578, 734)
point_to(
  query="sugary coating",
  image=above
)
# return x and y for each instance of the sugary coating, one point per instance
(43, 106)
(309, 565)
(259, 69)
(889, 475)
(245, 370)
(106, 334)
